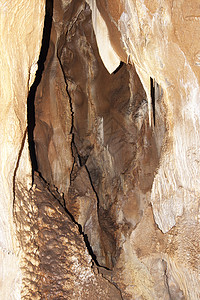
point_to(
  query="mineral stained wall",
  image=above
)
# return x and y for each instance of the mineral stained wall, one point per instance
(160, 39)
(114, 208)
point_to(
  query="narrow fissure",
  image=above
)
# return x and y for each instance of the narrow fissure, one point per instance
(93, 188)
(77, 159)
(17, 165)
(152, 84)
(85, 238)
(166, 278)
(33, 89)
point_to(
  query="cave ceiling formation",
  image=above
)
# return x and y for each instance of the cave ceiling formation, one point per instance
(99, 167)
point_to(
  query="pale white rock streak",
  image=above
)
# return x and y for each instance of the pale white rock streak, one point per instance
(108, 55)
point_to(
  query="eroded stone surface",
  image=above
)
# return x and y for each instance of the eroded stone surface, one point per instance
(53, 114)
(159, 44)
(112, 140)
(54, 260)
(128, 167)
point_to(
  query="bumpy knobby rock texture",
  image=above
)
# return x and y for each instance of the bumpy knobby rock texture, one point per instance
(55, 262)
(21, 27)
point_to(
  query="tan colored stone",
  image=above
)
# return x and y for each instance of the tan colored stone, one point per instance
(54, 260)
(128, 168)
(163, 45)
(21, 26)
(53, 116)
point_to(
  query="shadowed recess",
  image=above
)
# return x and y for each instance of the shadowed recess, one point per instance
(32, 92)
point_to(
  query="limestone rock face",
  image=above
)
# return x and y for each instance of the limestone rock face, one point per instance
(162, 50)
(128, 152)
(114, 209)
(112, 140)
(55, 262)
(160, 46)
(53, 112)
(21, 27)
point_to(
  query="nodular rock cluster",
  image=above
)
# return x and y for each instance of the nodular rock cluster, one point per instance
(99, 157)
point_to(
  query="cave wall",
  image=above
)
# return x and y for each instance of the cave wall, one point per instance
(53, 116)
(162, 50)
(117, 142)
(21, 27)
(112, 142)
(54, 260)
(160, 46)
(131, 159)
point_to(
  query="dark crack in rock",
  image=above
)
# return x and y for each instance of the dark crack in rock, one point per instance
(54, 259)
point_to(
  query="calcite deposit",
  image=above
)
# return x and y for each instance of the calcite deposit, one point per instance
(100, 160)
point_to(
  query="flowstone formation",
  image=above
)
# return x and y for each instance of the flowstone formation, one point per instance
(111, 209)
